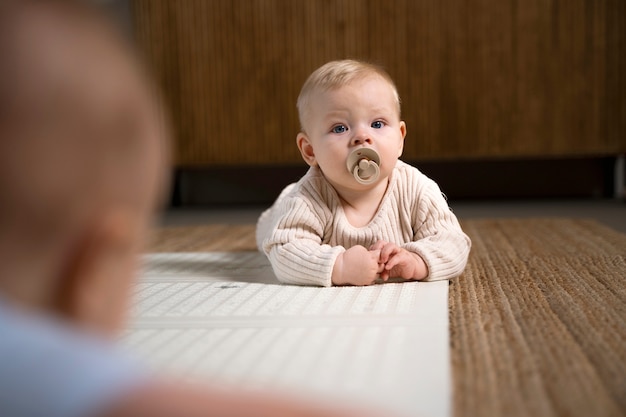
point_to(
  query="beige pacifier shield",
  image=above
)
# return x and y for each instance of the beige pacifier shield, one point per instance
(364, 163)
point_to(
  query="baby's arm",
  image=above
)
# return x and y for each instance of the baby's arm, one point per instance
(397, 262)
(291, 237)
(294, 246)
(438, 238)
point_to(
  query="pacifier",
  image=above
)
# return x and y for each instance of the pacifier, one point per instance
(364, 163)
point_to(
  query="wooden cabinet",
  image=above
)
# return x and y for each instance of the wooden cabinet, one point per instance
(479, 79)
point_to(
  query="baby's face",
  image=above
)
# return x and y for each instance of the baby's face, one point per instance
(363, 113)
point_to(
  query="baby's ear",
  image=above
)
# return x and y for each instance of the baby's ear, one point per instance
(306, 149)
(94, 288)
(403, 133)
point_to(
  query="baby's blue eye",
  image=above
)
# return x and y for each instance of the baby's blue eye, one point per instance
(377, 124)
(339, 129)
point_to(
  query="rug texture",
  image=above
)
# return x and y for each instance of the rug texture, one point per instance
(537, 320)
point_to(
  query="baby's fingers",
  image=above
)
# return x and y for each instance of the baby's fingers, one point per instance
(392, 263)
(387, 252)
(378, 245)
(384, 275)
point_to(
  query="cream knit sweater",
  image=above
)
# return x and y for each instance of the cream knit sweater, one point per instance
(306, 229)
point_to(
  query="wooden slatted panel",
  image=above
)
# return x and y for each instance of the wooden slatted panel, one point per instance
(477, 79)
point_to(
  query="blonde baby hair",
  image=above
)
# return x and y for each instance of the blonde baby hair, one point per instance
(335, 74)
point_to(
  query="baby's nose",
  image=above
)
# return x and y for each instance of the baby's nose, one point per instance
(361, 137)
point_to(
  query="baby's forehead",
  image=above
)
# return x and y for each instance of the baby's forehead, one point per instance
(320, 97)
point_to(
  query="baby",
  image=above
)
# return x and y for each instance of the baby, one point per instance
(83, 151)
(359, 214)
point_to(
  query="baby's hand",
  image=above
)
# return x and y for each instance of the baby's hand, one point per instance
(357, 266)
(399, 262)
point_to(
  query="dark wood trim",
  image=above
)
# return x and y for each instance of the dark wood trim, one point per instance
(465, 179)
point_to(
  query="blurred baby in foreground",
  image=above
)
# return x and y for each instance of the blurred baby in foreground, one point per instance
(83, 161)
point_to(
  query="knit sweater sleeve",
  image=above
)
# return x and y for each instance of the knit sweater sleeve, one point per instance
(293, 243)
(438, 237)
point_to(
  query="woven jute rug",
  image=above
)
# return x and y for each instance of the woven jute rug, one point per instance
(537, 320)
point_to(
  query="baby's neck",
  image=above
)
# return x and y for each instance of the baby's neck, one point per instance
(360, 207)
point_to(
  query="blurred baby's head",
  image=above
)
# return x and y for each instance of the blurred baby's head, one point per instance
(82, 142)
(336, 74)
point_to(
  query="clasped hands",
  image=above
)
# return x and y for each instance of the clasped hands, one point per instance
(362, 266)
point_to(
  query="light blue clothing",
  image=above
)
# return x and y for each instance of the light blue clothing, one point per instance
(48, 369)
